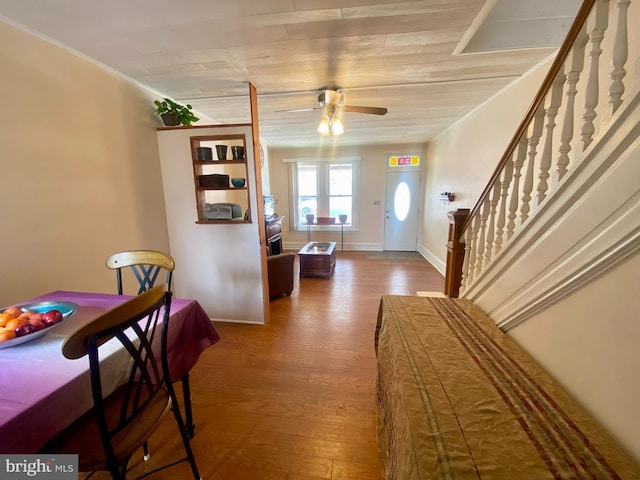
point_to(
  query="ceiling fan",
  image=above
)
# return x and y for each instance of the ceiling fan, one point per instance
(333, 99)
(331, 103)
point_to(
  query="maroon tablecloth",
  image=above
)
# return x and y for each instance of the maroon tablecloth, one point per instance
(41, 392)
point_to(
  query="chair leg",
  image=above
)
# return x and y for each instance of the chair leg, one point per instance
(188, 415)
(122, 471)
(117, 471)
(145, 450)
(185, 441)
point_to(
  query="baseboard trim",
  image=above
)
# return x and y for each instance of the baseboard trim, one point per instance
(433, 260)
(231, 320)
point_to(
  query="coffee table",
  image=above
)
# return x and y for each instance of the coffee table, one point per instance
(317, 259)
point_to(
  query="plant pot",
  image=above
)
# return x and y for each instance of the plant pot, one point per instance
(205, 154)
(170, 120)
(221, 150)
(237, 152)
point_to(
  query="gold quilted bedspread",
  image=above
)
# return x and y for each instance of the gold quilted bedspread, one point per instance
(458, 399)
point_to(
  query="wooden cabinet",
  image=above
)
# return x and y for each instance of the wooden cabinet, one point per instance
(273, 235)
(218, 200)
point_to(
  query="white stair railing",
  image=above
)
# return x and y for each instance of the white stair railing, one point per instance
(566, 119)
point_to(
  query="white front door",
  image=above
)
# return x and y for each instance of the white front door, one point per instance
(401, 211)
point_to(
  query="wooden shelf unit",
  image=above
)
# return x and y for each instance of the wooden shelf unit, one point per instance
(232, 168)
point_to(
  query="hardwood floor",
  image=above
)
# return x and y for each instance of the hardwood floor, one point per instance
(295, 399)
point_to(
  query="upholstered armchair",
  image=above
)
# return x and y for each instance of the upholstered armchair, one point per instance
(280, 270)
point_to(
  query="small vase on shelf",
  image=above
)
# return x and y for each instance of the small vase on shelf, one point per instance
(237, 152)
(221, 150)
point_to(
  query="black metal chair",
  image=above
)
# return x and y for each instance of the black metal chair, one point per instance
(125, 419)
(146, 266)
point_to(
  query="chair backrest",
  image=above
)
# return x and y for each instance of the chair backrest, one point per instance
(145, 265)
(127, 416)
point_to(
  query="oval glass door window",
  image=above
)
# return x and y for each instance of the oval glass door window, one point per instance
(402, 201)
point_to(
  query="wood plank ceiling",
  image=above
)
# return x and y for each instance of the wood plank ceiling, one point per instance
(408, 56)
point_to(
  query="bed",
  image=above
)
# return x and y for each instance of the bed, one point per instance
(458, 399)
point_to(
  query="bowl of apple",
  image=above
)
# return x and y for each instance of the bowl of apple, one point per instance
(23, 323)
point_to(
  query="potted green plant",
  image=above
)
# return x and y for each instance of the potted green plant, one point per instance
(174, 114)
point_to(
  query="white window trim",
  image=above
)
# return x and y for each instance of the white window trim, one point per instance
(294, 223)
(351, 159)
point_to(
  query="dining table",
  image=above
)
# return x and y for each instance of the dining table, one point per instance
(42, 392)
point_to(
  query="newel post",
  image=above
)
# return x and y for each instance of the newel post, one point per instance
(455, 252)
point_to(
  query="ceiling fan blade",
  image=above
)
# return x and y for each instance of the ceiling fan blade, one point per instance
(299, 110)
(372, 110)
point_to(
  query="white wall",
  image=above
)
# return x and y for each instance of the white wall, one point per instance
(373, 169)
(220, 264)
(79, 168)
(589, 342)
(462, 158)
(266, 181)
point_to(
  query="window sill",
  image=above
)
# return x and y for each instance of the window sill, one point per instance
(327, 228)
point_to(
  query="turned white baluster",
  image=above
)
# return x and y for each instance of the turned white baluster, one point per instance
(465, 264)
(521, 154)
(619, 58)
(491, 229)
(555, 98)
(482, 235)
(507, 175)
(475, 227)
(577, 64)
(591, 96)
(534, 139)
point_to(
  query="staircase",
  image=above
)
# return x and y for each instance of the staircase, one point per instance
(563, 206)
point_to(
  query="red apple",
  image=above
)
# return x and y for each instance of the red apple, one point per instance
(24, 329)
(52, 317)
(37, 323)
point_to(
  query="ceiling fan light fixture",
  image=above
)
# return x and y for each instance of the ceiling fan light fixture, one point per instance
(332, 106)
(336, 127)
(330, 123)
(323, 128)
